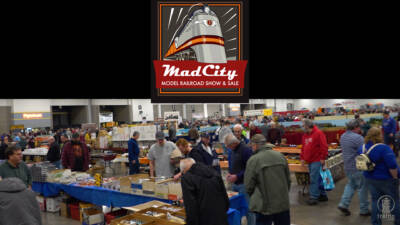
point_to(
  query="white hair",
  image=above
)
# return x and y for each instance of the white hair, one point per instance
(238, 126)
(185, 163)
(230, 139)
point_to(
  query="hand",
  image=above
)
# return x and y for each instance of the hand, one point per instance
(232, 178)
(302, 162)
(322, 162)
(391, 135)
(177, 176)
(133, 161)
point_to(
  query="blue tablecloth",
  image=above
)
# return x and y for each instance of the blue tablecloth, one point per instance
(102, 196)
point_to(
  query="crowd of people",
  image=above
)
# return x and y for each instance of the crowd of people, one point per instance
(255, 170)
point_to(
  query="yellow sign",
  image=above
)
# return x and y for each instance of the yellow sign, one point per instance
(267, 112)
(109, 124)
(17, 127)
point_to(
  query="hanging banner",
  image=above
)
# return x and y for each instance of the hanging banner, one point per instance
(171, 116)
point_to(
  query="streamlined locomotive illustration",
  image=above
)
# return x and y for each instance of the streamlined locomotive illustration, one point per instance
(198, 38)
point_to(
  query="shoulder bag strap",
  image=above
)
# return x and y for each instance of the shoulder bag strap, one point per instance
(370, 149)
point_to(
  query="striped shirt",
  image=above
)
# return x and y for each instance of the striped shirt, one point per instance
(350, 142)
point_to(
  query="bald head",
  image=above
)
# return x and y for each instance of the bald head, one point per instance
(186, 164)
(51, 140)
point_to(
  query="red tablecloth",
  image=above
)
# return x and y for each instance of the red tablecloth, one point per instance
(294, 138)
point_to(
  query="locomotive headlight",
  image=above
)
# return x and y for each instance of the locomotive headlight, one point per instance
(209, 23)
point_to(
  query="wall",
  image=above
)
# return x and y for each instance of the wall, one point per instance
(95, 114)
(5, 102)
(69, 102)
(121, 113)
(110, 101)
(20, 106)
(79, 115)
(213, 108)
(31, 105)
(5, 119)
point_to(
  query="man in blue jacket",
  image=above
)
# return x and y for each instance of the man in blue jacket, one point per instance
(389, 128)
(133, 153)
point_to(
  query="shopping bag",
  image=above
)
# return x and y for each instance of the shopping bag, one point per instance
(327, 179)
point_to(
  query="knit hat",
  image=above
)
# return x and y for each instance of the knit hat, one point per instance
(258, 138)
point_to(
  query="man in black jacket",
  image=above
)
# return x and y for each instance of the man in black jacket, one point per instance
(54, 155)
(210, 157)
(204, 194)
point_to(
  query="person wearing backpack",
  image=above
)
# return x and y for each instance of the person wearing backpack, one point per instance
(381, 172)
(350, 141)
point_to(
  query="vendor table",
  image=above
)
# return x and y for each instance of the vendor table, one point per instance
(111, 198)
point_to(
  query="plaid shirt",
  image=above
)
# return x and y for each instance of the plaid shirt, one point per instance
(68, 157)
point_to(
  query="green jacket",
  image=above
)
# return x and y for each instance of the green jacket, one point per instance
(267, 181)
(21, 171)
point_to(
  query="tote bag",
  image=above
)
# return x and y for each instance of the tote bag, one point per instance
(327, 179)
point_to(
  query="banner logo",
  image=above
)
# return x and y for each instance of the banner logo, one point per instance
(200, 49)
(386, 205)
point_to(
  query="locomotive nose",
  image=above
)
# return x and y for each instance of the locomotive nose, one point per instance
(172, 50)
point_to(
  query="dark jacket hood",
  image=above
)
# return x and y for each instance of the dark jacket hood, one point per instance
(202, 170)
(12, 184)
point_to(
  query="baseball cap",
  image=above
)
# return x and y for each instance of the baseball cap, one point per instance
(258, 138)
(206, 135)
(160, 135)
(176, 154)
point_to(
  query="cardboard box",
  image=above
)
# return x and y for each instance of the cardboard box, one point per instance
(163, 213)
(145, 219)
(42, 203)
(53, 204)
(146, 205)
(174, 191)
(83, 206)
(148, 186)
(161, 190)
(64, 209)
(93, 216)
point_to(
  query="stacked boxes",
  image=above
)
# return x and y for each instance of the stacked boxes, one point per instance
(53, 204)
(39, 171)
(42, 203)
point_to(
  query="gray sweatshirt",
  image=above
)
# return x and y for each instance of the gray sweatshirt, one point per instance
(18, 205)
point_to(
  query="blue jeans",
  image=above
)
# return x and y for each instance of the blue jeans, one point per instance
(57, 164)
(251, 217)
(316, 184)
(387, 139)
(134, 168)
(282, 218)
(356, 182)
(378, 189)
